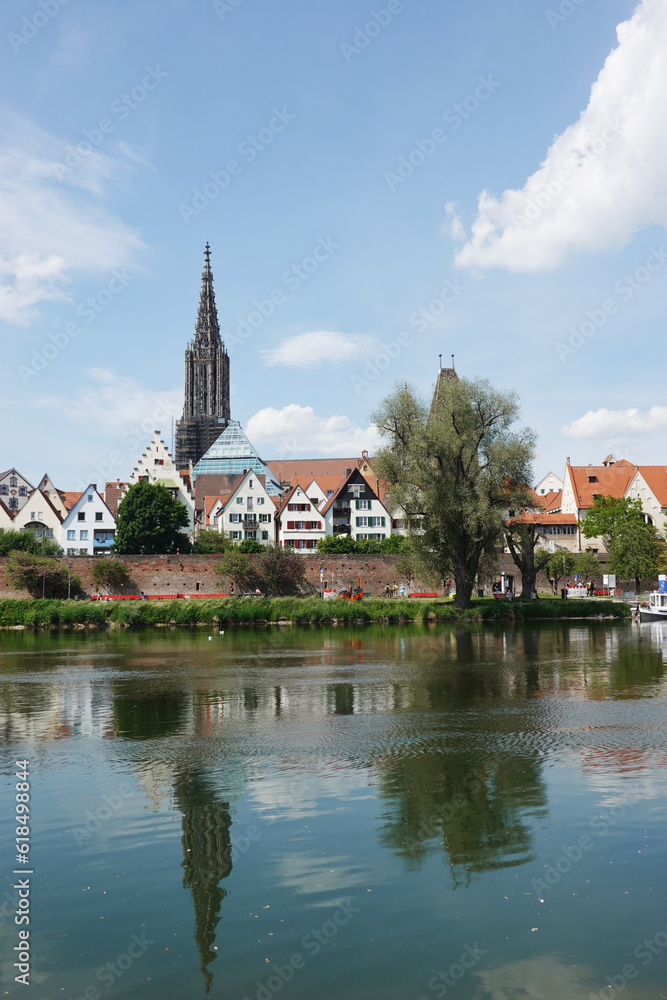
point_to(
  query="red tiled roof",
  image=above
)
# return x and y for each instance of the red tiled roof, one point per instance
(656, 480)
(209, 504)
(551, 501)
(534, 518)
(610, 480)
(308, 469)
(69, 498)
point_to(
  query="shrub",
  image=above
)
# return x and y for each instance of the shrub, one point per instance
(41, 576)
(281, 572)
(110, 572)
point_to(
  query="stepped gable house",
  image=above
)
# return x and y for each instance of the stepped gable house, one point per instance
(206, 409)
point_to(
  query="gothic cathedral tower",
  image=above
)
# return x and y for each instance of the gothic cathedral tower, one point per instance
(206, 410)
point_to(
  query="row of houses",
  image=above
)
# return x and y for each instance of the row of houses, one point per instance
(295, 503)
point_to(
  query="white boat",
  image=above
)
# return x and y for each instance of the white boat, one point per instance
(656, 610)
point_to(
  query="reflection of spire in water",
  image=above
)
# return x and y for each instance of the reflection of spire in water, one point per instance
(207, 859)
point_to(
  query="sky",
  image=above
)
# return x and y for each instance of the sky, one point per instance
(379, 183)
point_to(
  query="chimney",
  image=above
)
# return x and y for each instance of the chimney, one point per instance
(567, 460)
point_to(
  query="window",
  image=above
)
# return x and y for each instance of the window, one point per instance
(82, 552)
(234, 518)
(13, 503)
(71, 536)
(260, 499)
(329, 493)
(363, 505)
(298, 506)
(12, 481)
(239, 499)
(592, 479)
(39, 516)
(250, 484)
(569, 529)
(542, 492)
(143, 479)
(554, 530)
(159, 461)
(99, 515)
(83, 536)
(82, 515)
(32, 515)
(265, 536)
(235, 535)
(250, 534)
(265, 517)
(314, 501)
(90, 498)
(22, 491)
(71, 552)
(301, 525)
(4, 490)
(362, 522)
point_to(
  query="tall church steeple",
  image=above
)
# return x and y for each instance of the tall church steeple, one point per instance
(206, 410)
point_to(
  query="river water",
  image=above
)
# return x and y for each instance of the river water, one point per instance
(382, 813)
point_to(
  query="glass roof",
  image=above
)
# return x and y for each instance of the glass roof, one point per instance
(233, 454)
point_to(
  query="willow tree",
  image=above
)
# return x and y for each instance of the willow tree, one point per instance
(456, 470)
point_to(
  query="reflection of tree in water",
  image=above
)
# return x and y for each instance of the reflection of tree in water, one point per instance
(147, 714)
(477, 810)
(207, 858)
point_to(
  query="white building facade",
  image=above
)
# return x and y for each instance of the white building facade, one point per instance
(89, 529)
(249, 511)
(300, 523)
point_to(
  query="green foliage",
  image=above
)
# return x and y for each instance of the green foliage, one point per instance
(251, 545)
(587, 566)
(40, 575)
(209, 542)
(635, 550)
(551, 564)
(395, 545)
(241, 569)
(148, 521)
(336, 544)
(110, 572)
(282, 572)
(454, 471)
(26, 541)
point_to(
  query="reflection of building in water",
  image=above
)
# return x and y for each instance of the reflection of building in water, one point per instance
(56, 710)
(207, 858)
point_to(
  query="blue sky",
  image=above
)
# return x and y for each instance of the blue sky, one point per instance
(406, 178)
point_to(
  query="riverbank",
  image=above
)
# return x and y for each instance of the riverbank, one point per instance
(288, 610)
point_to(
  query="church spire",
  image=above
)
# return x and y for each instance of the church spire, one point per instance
(207, 329)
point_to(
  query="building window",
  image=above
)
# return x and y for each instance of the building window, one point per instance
(363, 505)
(592, 479)
(265, 536)
(260, 499)
(13, 503)
(12, 481)
(265, 517)
(239, 499)
(159, 461)
(71, 535)
(90, 498)
(83, 536)
(569, 529)
(234, 518)
(32, 515)
(250, 484)
(22, 491)
(250, 534)
(71, 552)
(82, 515)
(4, 490)
(99, 515)
(39, 516)
(362, 522)
(235, 535)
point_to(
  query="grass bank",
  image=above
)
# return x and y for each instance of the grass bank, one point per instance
(308, 610)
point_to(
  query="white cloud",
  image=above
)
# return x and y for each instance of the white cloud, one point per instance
(608, 423)
(298, 430)
(53, 224)
(603, 179)
(309, 350)
(114, 404)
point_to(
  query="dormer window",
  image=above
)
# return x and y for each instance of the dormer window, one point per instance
(592, 479)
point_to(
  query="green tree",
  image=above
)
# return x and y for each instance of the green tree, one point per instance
(586, 565)
(26, 541)
(149, 520)
(336, 544)
(522, 536)
(240, 568)
(635, 549)
(110, 572)
(208, 541)
(250, 545)
(282, 573)
(41, 576)
(395, 545)
(457, 470)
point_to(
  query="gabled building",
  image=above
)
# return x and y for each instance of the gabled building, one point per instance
(551, 483)
(40, 516)
(583, 483)
(355, 509)
(299, 522)
(89, 528)
(157, 466)
(249, 511)
(14, 490)
(649, 484)
(55, 496)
